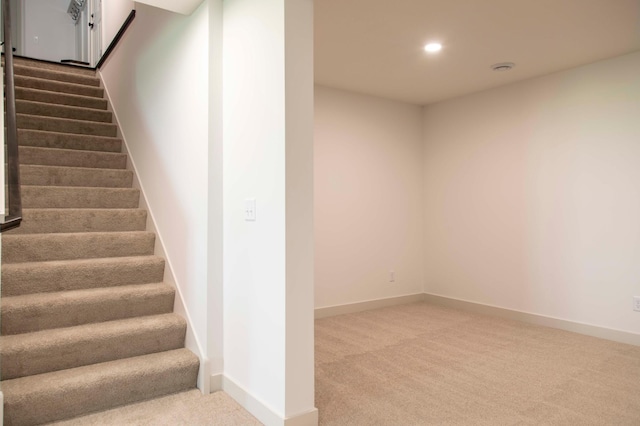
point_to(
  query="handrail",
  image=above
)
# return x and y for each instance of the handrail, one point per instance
(14, 216)
(116, 39)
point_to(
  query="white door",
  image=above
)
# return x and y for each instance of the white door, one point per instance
(95, 31)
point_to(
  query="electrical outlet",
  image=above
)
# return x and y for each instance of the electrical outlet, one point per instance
(636, 303)
(392, 276)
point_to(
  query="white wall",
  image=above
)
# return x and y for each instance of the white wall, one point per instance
(158, 80)
(532, 195)
(268, 264)
(368, 197)
(49, 32)
(114, 13)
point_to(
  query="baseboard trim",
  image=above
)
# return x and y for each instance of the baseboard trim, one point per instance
(215, 382)
(536, 319)
(179, 306)
(262, 411)
(367, 305)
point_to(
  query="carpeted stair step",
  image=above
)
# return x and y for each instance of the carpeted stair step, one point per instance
(69, 275)
(71, 158)
(56, 98)
(56, 75)
(79, 197)
(85, 245)
(66, 125)
(46, 65)
(52, 350)
(63, 111)
(58, 86)
(44, 311)
(44, 139)
(41, 221)
(75, 176)
(69, 393)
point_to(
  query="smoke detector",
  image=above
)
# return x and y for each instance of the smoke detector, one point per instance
(503, 66)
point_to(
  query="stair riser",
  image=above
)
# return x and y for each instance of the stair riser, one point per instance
(67, 176)
(41, 139)
(81, 198)
(71, 158)
(47, 247)
(61, 125)
(56, 75)
(27, 358)
(70, 69)
(43, 221)
(57, 98)
(56, 86)
(21, 279)
(61, 111)
(89, 392)
(24, 315)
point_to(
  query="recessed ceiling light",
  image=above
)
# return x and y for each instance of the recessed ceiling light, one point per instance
(503, 66)
(433, 47)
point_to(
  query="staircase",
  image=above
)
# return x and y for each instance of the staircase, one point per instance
(87, 323)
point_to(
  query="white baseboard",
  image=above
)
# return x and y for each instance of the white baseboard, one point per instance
(262, 411)
(562, 324)
(531, 318)
(215, 382)
(367, 305)
(191, 340)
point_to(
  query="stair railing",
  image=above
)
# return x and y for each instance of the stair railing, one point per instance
(12, 217)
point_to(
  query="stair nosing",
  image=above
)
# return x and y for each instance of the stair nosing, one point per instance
(46, 70)
(74, 95)
(57, 81)
(73, 120)
(73, 108)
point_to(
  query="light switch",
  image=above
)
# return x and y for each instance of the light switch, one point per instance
(250, 210)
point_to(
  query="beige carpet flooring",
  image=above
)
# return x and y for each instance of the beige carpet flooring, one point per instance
(186, 408)
(421, 364)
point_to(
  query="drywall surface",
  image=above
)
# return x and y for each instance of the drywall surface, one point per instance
(114, 13)
(49, 32)
(368, 198)
(267, 157)
(157, 79)
(532, 195)
(185, 7)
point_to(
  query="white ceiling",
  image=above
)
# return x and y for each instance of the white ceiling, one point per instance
(375, 46)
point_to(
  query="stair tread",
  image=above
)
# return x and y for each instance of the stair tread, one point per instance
(78, 245)
(35, 155)
(119, 382)
(38, 196)
(52, 110)
(43, 64)
(44, 311)
(79, 262)
(58, 86)
(50, 139)
(62, 348)
(75, 274)
(70, 220)
(93, 331)
(66, 125)
(56, 75)
(72, 176)
(79, 168)
(60, 298)
(59, 98)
